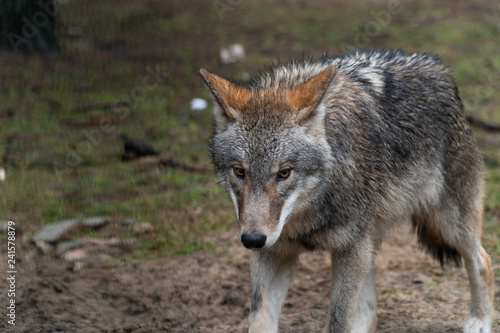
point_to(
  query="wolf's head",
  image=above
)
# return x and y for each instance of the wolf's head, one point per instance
(269, 150)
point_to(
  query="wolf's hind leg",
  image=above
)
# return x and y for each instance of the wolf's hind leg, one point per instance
(464, 235)
(270, 280)
(478, 266)
(365, 319)
(451, 232)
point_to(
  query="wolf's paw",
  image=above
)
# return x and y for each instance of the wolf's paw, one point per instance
(476, 325)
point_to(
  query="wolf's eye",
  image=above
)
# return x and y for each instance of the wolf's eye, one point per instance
(285, 173)
(239, 172)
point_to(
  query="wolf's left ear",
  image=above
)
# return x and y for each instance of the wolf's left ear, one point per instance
(229, 98)
(305, 98)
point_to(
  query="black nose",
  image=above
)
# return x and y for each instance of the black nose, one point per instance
(253, 241)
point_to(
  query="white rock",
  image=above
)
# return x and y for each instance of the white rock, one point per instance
(74, 255)
(2, 174)
(198, 104)
(231, 54)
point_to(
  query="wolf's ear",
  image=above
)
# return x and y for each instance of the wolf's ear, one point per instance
(305, 98)
(229, 98)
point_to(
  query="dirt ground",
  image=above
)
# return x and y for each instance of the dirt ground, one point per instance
(210, 292)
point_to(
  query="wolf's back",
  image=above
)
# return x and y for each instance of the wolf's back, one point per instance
(393, 121)
(392, 106)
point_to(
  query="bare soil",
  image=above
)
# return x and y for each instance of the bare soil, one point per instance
(210, 292)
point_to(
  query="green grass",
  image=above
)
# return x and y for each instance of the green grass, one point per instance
(167, 246)
(106, 48)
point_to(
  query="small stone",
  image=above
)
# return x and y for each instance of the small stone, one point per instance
(75, 255)
(198, 104)
(143, 227)
(43, 246)
(2, 174)
(95, 222)
(231, 54)
(53, 232)
(69, 245)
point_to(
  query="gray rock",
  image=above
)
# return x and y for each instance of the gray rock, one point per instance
(64, 247)
(43, 246)
(95, 222)
(53, 232)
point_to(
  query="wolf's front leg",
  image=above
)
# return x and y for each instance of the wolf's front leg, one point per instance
(365, 319)
(270, 279)
(352, 295)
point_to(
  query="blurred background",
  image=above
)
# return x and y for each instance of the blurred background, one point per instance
(100, 116)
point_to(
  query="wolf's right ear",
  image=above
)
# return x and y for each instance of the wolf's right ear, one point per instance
(305, 98)
(228, 97)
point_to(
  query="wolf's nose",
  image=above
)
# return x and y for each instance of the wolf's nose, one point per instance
(253, 241)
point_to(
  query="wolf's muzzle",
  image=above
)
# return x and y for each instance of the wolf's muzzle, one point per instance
(253, 241)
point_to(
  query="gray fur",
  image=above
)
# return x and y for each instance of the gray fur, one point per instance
(389, 142)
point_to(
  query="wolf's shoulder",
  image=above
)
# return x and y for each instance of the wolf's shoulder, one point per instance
(370, 64)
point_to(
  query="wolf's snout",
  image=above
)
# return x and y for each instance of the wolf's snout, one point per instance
(253, 241)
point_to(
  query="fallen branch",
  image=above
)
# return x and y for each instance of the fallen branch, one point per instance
(172, 163)
(98, 105)
(169, 162)
(487, 126)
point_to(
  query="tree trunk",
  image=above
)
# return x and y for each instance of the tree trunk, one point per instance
(28, 26)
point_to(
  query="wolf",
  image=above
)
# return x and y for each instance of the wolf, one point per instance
(330, 155)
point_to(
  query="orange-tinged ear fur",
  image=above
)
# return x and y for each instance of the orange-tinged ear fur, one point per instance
(306, 97)
(229, 96)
